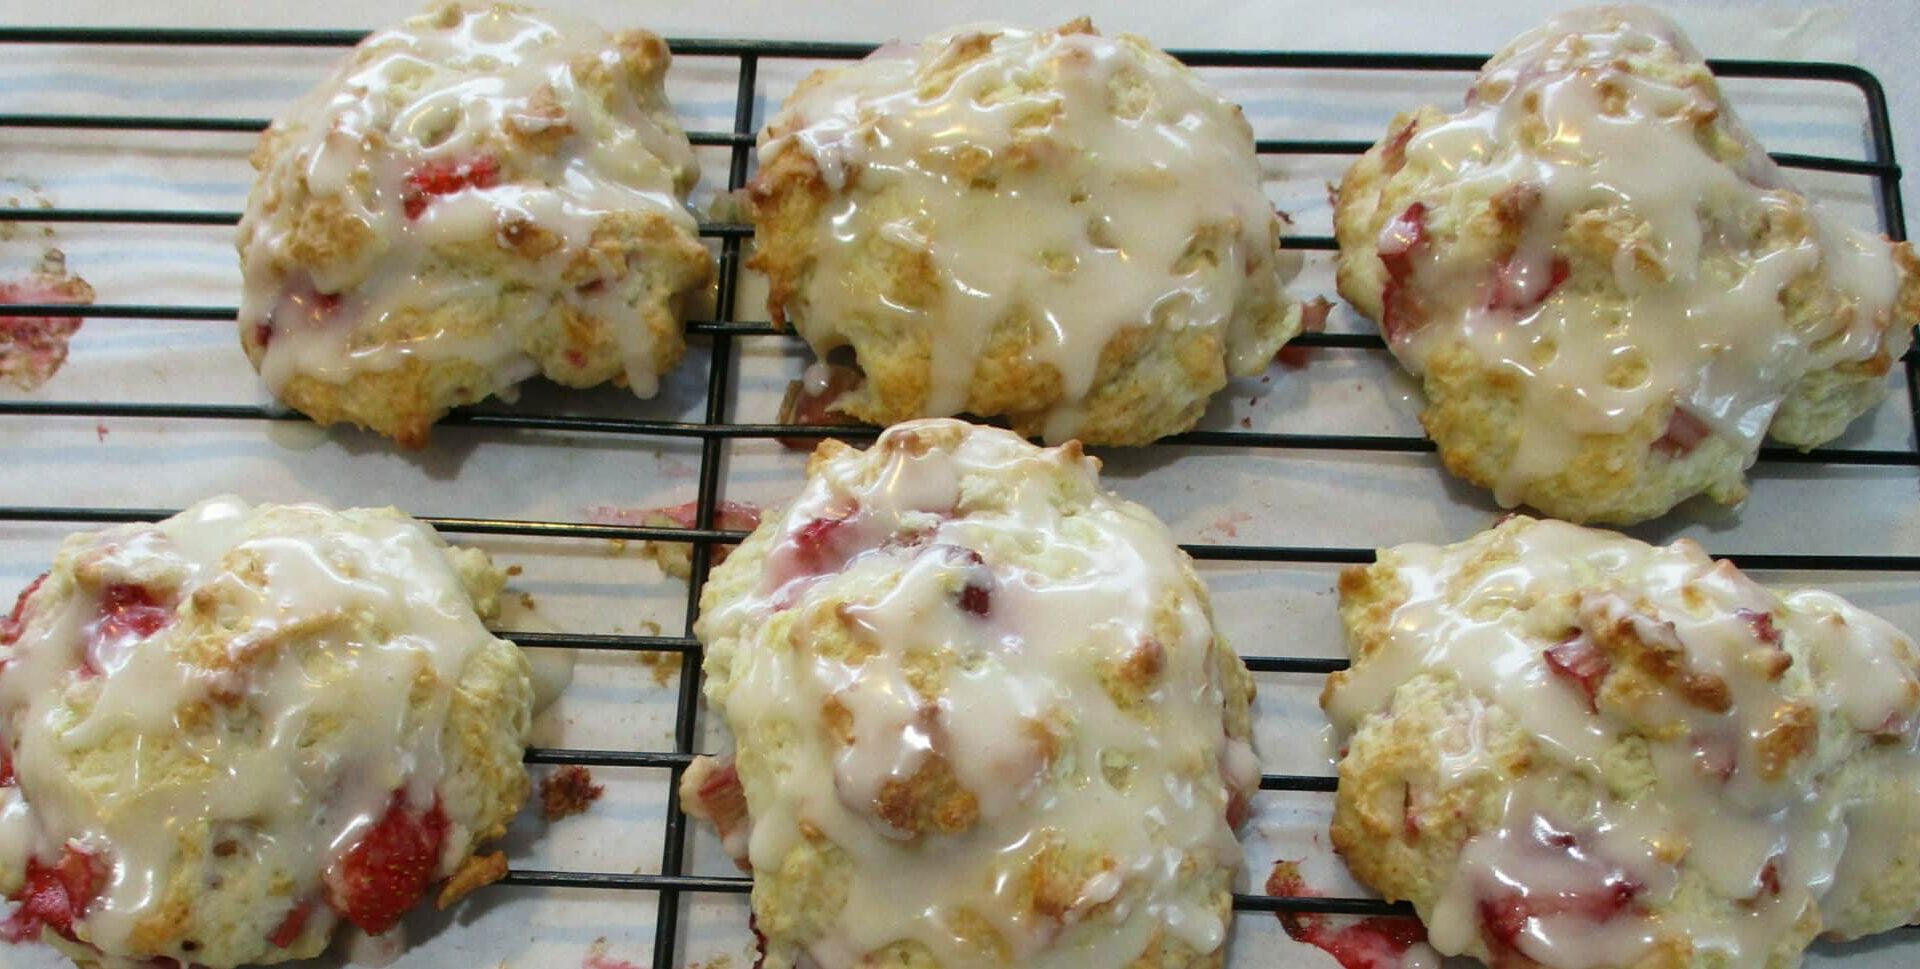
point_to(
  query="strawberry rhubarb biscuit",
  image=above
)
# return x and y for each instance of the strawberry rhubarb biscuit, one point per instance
(981, 717)
(228, 733)
(480, 196)
(1611, 293)
(1571, 749)
(1059, 228)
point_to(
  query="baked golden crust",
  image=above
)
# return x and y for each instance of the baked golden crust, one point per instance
(205, 724)
(406, 253)
(952, 707)
(1589, 351)
(910, 255)
(1684, 747)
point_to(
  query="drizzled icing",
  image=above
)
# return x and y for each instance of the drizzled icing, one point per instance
(1767, 700)
(489, 134)
(1004, 566)
(295, 673)
(1058, 178)
(1608, 115)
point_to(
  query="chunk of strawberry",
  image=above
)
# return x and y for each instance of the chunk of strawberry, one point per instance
(1313, 319)
(1374, 942)
(1716, 754)
(128, 613)
(1512, 914)
(54, 895)
(6, 766)
(824, 544)
(976, 594)
(445, 176)
(15, 623)
(289, 929)
(722, 800)
(128, 610)
(1761, 623)
(759, 942)
(1516, 291)
(1577, 659)
(1403, 238)
(387, 871)
(809, 403)
(1394, 156)
(1684, 433)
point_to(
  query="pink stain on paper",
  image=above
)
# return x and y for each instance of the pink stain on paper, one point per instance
(33, 348)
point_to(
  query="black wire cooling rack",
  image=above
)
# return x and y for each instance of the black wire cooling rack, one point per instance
(715, 428)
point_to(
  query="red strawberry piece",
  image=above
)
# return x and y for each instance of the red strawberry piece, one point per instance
(54, 895)
(1508, 915)
(15, 623)
(128, 613)
(1577, 659)
(131, 610)
(976, 595)
(1516, 291)
(445, 176)
(1239, 807)
(1684, 432)
(6, 767)
(823, 544)
(1313, 319)
(722, 800)
(1404, 236)
(1716, 755)
(1770, 877)
(289, 929)
(1761, 623)
(759, 942)
(1375, 942)
(388, 870)
(1395, 155)
(809, 403)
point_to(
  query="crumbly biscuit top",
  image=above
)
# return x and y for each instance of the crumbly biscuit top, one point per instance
(1741, 702)
(282, 671)
(1124, 157)
(493, 127)
(1006, 612)
(1604, 127)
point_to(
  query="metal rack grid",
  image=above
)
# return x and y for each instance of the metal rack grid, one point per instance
(715, 429)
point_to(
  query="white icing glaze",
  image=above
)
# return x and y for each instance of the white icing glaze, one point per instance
(271, 765)
(1085, 243)
(1702, 306)
(420, 98)
(1485, 613)
(1069, 594)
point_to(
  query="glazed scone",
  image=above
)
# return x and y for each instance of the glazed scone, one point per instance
(228, 732)
(981, 717)
(1571, 749)
(1609, 291)
(482, 195)
(1055, 227)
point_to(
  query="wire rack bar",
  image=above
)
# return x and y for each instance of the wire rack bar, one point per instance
(715, 429)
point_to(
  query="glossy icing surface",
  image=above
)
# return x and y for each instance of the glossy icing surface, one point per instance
(1031, 610)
